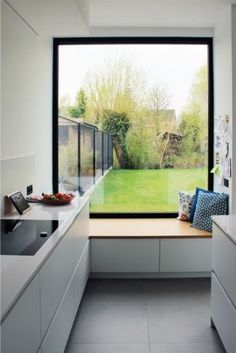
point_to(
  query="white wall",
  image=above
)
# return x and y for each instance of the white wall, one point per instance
(150, 31)
(234, 108)
(16, 173)
(225, 85)
(223, 78)
(26, 65)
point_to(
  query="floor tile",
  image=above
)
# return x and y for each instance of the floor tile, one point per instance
(177, 291)
(111, 321)
(179, 323)
(115, 289)
(178, 283)
(107, 348)
(117, 285)
(123, 316)
(212, 347)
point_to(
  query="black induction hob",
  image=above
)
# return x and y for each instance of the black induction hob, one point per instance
(25, 237)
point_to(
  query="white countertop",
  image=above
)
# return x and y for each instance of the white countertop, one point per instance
(18, 271)
(227, 224)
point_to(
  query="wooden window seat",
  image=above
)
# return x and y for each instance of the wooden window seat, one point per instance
(144, 228)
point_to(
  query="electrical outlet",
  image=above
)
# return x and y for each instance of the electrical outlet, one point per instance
(29, 189)
(226, 183)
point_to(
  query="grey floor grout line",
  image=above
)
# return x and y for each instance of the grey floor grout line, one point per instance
(148, 330)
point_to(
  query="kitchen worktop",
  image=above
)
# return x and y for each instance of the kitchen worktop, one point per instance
(227, 224)
(18, 271)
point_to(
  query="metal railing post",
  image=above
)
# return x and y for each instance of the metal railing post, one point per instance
(94, 156)
(79, 159)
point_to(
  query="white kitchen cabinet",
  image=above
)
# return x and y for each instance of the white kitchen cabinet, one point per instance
(59, 330)
(124, 255)
(58, 269)
(81, 275)
(224, 261)
(79, 232)
(20, 331)
(185, 255)
(223, 290)
(54, 277)
(223, 315)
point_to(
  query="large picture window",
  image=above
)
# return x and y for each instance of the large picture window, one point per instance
(134, 117)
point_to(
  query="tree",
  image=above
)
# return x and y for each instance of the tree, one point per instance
(114, 93)
(81, 101)
(192, 131)
(158, 99)
(117, 86)
(199, 91)
(118, 125)
(64, 105)
(78, 110)
(194, 119)
(119, 102)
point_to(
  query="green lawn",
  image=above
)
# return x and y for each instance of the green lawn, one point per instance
(145, 190)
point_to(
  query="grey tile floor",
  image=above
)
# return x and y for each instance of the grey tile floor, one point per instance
(145, 316)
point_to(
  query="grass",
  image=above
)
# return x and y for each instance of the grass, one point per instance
(145, 190)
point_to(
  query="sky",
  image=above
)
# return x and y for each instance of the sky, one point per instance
(170, 66)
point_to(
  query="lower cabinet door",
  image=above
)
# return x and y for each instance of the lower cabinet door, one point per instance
(185, 255)
(54, 278)
(20, 331)
(81, 275)
(223, 314)
(224, 262)
(59, 331)
(125, 255)
(59, 267)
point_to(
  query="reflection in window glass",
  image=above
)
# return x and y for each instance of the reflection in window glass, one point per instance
(68, 155)
(98, 154)
(110, 151)
(105, 153)
(86, 158)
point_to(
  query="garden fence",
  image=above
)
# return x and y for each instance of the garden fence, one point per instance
(85, 154)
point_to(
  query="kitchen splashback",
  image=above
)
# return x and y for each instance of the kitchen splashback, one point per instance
(16, 174)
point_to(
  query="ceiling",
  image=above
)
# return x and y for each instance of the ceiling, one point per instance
(79, 17)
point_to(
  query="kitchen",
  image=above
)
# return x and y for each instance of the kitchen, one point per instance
(27, 30)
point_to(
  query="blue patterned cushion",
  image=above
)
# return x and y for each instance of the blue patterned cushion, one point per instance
(209, 204)
(193, 208)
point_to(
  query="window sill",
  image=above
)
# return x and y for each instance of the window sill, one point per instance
(144, 228)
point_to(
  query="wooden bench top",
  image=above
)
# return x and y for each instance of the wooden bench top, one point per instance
(144, 228)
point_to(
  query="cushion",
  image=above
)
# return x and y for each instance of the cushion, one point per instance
(195, 201)
(185, 205)
(209, 204)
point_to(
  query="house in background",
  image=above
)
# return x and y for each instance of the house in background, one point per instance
(168, 120)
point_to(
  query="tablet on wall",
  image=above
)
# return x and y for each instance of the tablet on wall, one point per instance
(19, 202)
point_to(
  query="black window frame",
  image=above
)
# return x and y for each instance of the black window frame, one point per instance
(131, 40)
